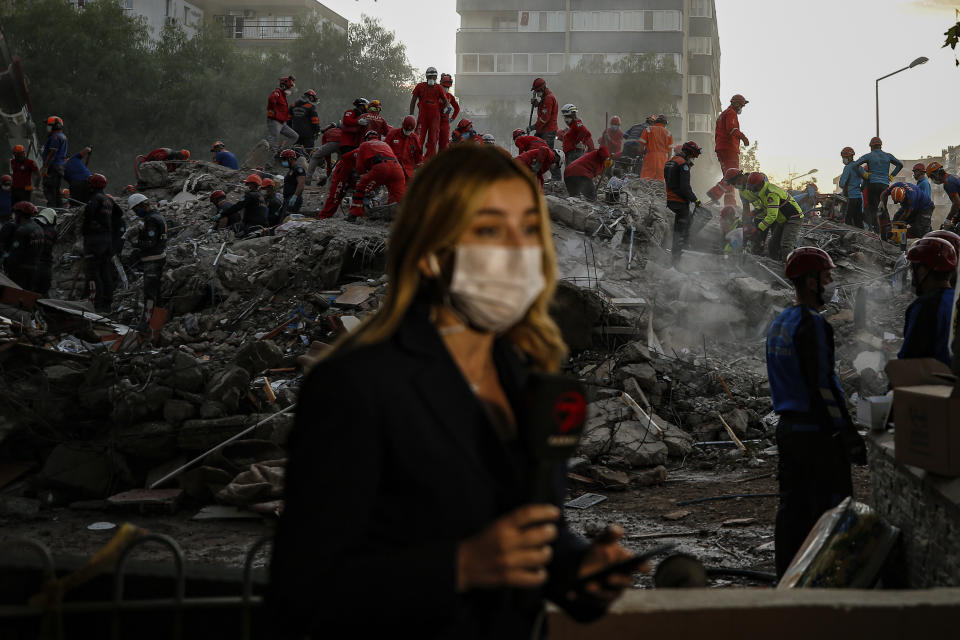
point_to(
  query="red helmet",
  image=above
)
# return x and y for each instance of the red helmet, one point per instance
(217, 145)
(446, 80)
(130, 188)
(185, 153)
(267, 182)
(286, 82)
(755, 181)
(935, 253)
(464, 124)
(539, 83)
(806, 259)
(691, 148)
(55, 122)
(253, 179)
(19, 149)
(949, 236)
(847, 152)
(4, 179)
(615, 120)
(310, 94)
(26, 208)
(409, 123)
(371, 135)
(898, 194)
(738, 99)
(517, 133)
(875, 142)
(919, 167)
(97, 180)
(288, 154)
(217, 195)
(603, 153)
(731, 174)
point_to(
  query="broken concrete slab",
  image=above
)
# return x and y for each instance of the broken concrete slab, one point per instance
(229, 386)
(86, 469)
(257, 356)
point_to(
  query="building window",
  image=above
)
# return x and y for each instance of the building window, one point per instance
(126, 4)
(504, 63)
(468, 63)
(701, 8)
(542, 21)
(521, 63)
(699, 84)
(556, 63)
(595, 21)
(169, 8)
(485, 63)
(700, 123)
(666, 20)
(672, 61)
(538, 63)
(650, 21)
(700, 45)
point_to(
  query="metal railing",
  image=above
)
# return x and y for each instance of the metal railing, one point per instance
(258, 29)
(512, 29)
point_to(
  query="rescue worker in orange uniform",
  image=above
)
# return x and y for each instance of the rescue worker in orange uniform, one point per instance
(727, 138)
(656, 142)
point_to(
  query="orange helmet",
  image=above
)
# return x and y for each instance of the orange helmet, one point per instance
(267, 183)
(185, 153)
(217, 145)
(875, 142)
(374, 106)
(253, 179)
(898, 194)
(731, 174)
(55, 122)
(19, 149)
(847, 152)
(934, 167)
(217, 195)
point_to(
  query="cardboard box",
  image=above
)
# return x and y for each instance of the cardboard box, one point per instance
(872, 411)
(926, 415)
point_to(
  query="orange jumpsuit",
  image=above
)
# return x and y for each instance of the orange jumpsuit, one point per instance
(659, 147)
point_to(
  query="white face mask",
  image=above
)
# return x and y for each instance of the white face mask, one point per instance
(431, 81)
(494, 286)
(287, 92)
(407, 133)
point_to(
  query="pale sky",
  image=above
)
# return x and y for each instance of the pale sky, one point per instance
(807, 66)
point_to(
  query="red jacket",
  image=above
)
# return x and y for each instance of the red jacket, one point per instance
(612, 140)
(407, 149)
(352, 131)
(331, 135)
(526, 143)
(728, 135)
(547, 113)
(376, 122)
(575, 135)
(430, 99)
(277, 107)
(543, 155)
(589, 165)
(22, 172)
(373, 152)
(453, 103)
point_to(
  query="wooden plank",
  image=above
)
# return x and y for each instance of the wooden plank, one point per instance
(354, 295)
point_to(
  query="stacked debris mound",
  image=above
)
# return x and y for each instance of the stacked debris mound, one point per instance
(100, 408)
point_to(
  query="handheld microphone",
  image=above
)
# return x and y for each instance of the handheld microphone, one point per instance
(554, 414)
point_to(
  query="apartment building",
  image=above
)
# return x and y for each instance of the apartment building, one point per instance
(264, 23)
(158, 13)
(503, 44)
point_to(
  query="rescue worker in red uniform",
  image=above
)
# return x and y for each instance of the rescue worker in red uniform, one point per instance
(450, 112)
(657, 143)
(526, 143)
(676, 176)
(278, 117)
(353, 125)
(545, 126)
(539, 159)
(329, 145)
(577, 139)
(579, 175)
(173, 159)
(342, 178)
(375, 121)
(431, 98)
(406, 146)
(25, 174)
(612, 137)
(727, 139)
(376, 166)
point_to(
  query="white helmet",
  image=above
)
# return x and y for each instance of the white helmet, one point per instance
(568, 109)
(489, 139)
(49, 215)
(136, 199)
(432, 71)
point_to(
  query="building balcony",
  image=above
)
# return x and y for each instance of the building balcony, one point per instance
(236, 28)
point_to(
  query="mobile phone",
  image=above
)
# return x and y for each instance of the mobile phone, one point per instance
(625, 567)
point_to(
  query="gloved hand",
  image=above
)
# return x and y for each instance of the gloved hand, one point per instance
(762, 226)
(892, 178)
(866, 174)
(746, 142)
(292, 201)
(696, 204)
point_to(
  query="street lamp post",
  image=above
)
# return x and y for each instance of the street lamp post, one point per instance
(790, 179)
(915, 63)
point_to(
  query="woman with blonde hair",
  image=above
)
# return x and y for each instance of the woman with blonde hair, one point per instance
(408, 489)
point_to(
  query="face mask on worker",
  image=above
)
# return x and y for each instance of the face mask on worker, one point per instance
(6, 187)
(407, 132)
(431, 81)
(847, 160)
(614, 127)
(493, 287)
(569, 119)
(738, 107)
(285, 164)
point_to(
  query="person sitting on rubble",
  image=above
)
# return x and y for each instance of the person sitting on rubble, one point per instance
(47, 219)
(777, 210)
(252, 206)
(579, 176)
(172, 158)
(151, 252)
(816, 438)
(343, 179)
(294, 181)
(376, 166)
(442, 500)
(916, 209)
(21, 255)
(273, 200)
(223, 157)
(927, 325)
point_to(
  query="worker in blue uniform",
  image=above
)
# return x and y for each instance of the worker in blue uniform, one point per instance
(926, 329)
(816, 438)
(881, 167)
(916, 209)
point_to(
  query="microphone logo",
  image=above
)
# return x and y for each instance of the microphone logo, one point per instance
(570, 411)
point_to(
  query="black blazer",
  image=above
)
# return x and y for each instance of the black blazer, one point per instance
(393, 462)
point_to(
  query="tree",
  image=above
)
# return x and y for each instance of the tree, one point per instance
(748, 159)
(952, 37)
